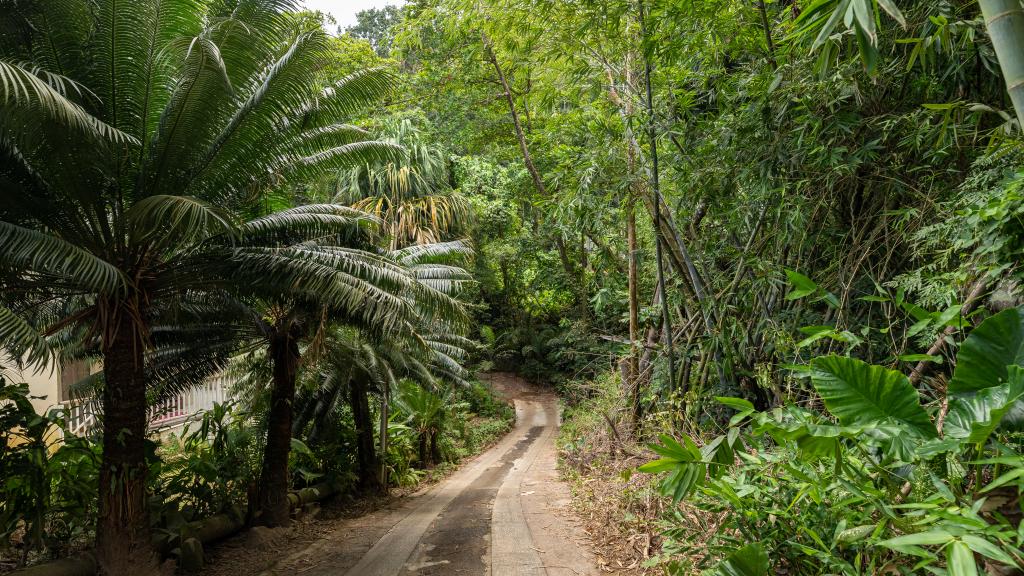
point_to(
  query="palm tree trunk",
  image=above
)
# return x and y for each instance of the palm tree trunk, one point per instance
(273, 497)
(435, 449)
(384, 407)
(1004, 20)
(423, 449)
(123, 545)
(366, 458)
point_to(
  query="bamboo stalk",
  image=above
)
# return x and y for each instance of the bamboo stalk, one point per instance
(656, 188)
(1004, 20)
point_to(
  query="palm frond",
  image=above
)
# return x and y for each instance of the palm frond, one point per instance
(177, 219)
(353, 92)
(22, 340)
(202, 88)
(350, 283)
(348, 155)
(307, 222)
(439, 252)
(256, 131)
(28, 99)
(49, 255)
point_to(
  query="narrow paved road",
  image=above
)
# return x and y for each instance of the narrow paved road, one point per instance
(504, 513)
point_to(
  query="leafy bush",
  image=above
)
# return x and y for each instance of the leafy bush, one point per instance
(481, 402)
(212, 466)
(482, 432)
(879, 483)
(48, 478)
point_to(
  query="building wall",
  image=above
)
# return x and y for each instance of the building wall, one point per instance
(43, 385)
(51, 385)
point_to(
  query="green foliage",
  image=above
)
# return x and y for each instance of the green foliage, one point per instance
(879, 489)
(376, 26)
(210, 467)
(747, 561)
(158, 158)
(480, 401)
(49, 476)
(857, 393)
(986, 355)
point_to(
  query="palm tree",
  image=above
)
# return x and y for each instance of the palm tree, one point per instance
(134, 136)
(288, 323)
(427, 347)
(412, 195)
(396, 291)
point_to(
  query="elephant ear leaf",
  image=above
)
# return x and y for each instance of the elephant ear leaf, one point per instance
(995, 344)
(860, 394)
(974, 416)
(750, 560)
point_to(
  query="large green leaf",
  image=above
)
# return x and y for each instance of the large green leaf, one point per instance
(974, 416)
(996, 343)
(750, 560)
(860, 394)
(802, 285)
(684, 462)
(960, 560)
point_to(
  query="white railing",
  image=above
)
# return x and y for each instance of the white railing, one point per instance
(187, 405)
(81, 414)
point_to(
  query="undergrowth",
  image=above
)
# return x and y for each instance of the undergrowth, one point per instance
(597, 456)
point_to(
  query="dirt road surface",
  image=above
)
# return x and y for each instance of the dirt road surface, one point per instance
(504, 513)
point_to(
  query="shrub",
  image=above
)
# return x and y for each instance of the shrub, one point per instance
(876, 483)
(48, 475)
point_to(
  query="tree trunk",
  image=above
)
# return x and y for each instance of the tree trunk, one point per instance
(366, 458)
(423, 449)
(384, 408)
(435, 448)
(284, 352)
(633, 385)
(659, 233)
(653, 335)
(767, 33)
(123, 545)
(1004, 20)
(538, 182)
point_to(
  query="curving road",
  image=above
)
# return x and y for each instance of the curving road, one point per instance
(504, 513)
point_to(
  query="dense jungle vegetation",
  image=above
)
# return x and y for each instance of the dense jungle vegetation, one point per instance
(768, 251)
